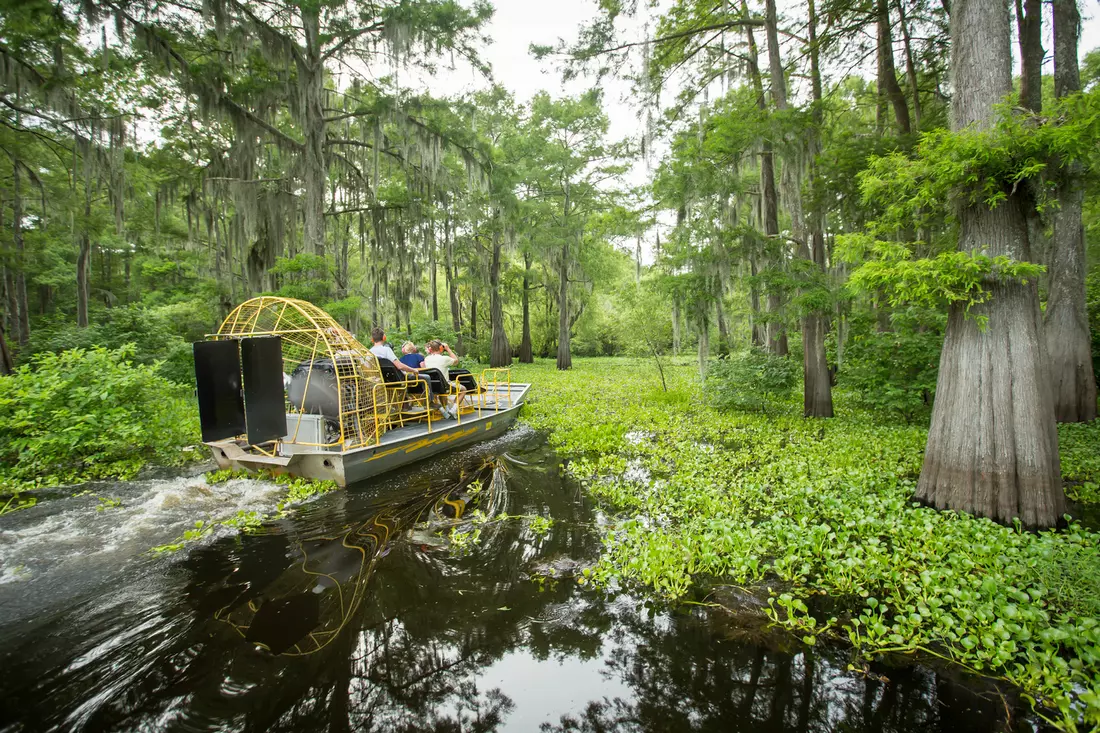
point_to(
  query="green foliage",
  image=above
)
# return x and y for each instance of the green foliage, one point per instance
(983, 166)
(894, 372)
(462, 542)
(300, 489)
(751, 379)
(15, 502)
(153, 333)
(90, 414)
(1092, 288)
(932, 282)
(303, 276)
(345, 309)
(423, 332)
(798, 508)
(540, 526)
(1077, 444)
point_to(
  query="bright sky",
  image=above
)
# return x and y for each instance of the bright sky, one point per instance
(517, 24)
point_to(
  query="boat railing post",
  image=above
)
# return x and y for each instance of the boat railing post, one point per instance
(374, 395)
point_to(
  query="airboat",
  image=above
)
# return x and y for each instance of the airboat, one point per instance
(282, 387)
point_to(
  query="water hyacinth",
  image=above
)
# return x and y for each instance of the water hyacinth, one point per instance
(805, 509)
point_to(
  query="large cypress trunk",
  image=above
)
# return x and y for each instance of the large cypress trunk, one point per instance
(675, 325)
(7, 365)
(433, 269)
(910, 66)
(1067, 326)
(723, 328)
(84, 254)
(992, 445)
(500, 353)
(758, 330)
(704, 347)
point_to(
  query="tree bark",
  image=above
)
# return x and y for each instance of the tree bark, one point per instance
(776, 336)
(1067, 326)
(1029, 21)
(887, 73)
(11, 304)
(817, 392)
(452, 283)
(500, 353)
(675, 325)
(910, 66)
(992, 445)
(526, 355)
(565, 359)
(759, 333)
(312, 83)
(7, 365)
(704, 347)
(723, 328)
(638, 260)
(473, 314)
(777, 331)
(24, 316)
(433, 269)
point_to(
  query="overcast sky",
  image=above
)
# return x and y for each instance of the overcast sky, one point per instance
(517, 24)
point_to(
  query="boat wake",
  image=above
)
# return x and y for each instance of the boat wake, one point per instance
(63, 548)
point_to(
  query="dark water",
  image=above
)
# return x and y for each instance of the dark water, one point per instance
(361, 613)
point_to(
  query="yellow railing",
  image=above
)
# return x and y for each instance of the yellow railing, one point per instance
(497, 377)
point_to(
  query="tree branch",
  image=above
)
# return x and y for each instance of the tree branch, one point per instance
(740, 22)
(348, 39)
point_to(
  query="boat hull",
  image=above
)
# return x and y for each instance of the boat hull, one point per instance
(398, 448)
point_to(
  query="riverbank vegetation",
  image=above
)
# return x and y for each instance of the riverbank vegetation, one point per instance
(819, 518)
(80, 415)
(882, 275)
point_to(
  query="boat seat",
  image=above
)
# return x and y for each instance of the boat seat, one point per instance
(467, 380)
(409, 394)
(441, 386)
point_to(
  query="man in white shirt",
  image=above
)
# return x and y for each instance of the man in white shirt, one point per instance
(436, 359)
(381, 350)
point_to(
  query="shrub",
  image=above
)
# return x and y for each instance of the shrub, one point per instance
(748, 379)
(424, 331)
(154, 336)
(894, 372)
(89, 414)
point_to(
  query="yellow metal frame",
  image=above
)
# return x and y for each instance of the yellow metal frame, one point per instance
(309, 334)
(500, 376)
(401, 400)
(367, 405)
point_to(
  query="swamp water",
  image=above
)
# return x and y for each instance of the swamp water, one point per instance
(392, 607)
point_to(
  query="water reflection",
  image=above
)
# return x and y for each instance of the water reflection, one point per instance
(359, 615)
(309, 605)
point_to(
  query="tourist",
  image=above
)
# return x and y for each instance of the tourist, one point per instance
(436, 359)
(381, 350)
(411, 356)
